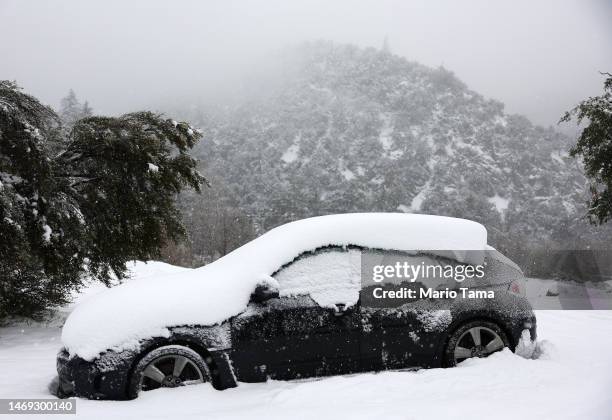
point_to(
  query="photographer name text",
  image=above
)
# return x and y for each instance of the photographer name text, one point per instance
(429, 293)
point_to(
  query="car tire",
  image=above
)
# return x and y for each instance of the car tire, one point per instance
(168, 367)
(478, 338)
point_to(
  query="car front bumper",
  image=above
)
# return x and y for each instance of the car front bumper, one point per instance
(91, 379)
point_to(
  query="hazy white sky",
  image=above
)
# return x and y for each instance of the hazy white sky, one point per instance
(539, 57)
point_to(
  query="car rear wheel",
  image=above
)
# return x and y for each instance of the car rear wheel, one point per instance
(474, 339)
(168, 367)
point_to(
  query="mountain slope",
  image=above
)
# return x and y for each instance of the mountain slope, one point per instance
(349, 129)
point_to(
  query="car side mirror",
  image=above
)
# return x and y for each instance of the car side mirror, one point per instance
(264, 291)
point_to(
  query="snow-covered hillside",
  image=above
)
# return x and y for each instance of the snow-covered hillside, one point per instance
(351, 129)
(571, 380)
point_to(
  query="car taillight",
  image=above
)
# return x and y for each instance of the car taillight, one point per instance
(517, 287)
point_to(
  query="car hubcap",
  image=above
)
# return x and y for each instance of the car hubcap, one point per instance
(477, 342)
(169, 372)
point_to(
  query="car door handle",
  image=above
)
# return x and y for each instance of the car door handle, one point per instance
(340, 309)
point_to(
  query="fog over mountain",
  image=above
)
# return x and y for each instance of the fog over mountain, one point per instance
(315, 107)
(539, 58)
(345, 129)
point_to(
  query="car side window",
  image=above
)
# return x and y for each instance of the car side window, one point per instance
(329, 276)
(397, 268)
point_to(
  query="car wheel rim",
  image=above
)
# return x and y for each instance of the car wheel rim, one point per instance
(477, 342)
(170, 371)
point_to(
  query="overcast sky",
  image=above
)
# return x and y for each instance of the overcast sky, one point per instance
(538, 57)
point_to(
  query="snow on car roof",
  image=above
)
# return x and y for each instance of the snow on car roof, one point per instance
(122, 316)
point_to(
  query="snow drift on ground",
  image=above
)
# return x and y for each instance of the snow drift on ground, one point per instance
(145, 308)
(571, 380)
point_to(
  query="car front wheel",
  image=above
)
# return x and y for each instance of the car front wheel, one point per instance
(474, 339)
(168, 367)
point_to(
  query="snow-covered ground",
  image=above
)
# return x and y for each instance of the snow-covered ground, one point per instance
(572, 380)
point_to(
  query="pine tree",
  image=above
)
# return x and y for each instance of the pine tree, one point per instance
(71, 109)
(86, 111)
(84, 203)
(385, 47)
(595, 147)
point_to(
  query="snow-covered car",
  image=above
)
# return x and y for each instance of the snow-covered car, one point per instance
(292, 304)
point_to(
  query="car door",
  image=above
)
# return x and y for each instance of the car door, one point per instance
(316, 341)
(312, 329)
(390, 337)
(396, 332)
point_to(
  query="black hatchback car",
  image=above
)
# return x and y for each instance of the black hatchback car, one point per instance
(312, 315)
